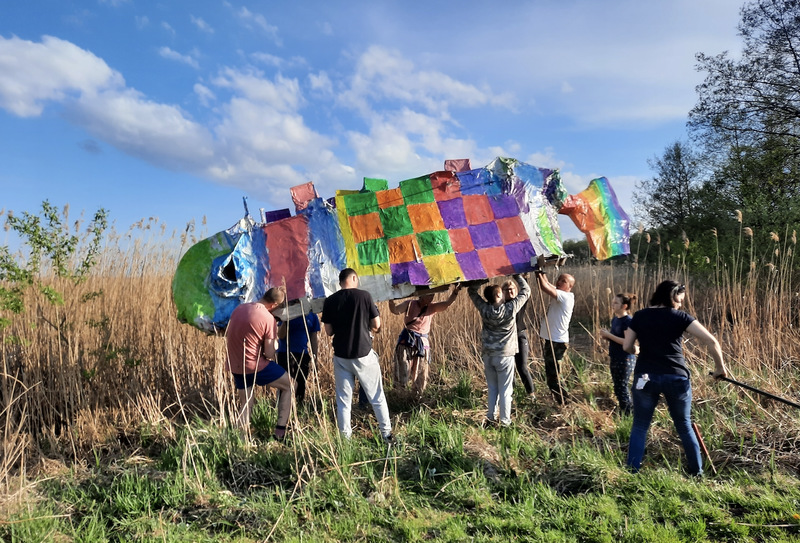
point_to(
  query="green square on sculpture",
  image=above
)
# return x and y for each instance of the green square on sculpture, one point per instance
(373, 251)
(435, 242)
(417, 191)
(396, 222)
(361, 203)
(374, 185)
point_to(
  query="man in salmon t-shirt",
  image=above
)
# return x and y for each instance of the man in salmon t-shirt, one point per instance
(250, 339)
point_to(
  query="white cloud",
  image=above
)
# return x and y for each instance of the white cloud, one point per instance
(383, 75)
(32, 74)
(204, 94)
(320, 82)
(141, 21)
(267, 59)
(261, 143)
(201, 24)
(159, 133)
(169, 54)
(258, 22)
(166, 26)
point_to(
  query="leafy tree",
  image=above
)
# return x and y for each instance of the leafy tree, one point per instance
(742, 102)
(50, 247)
(669, 200)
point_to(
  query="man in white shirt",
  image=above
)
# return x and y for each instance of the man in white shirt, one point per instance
(554, 329)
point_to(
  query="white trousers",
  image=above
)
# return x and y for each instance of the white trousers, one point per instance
(368, 371)
(499, 371)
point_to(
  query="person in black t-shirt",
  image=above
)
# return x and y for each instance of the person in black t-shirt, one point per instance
(351, 317)
(661, 369)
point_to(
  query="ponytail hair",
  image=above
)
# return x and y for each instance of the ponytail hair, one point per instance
(628, 299)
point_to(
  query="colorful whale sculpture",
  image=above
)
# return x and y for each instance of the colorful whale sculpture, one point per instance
(455, 225)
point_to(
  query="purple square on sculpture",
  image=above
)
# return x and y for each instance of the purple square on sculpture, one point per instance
(452, 212)
(400, 273)
(485, 235)
(418, 274)
(410, 272)
(504, 206)
(272, 216)
(520, 254)
(471, 265)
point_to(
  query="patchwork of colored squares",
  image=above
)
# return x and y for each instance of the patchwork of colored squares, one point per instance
(445, 227)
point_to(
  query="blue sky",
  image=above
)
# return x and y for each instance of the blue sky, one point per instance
(177, 110)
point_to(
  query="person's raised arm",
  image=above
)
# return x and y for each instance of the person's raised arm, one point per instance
(546, 286)
(441, 306)
(705, 337)
(328, 329)
(629, 344)
(398, 309)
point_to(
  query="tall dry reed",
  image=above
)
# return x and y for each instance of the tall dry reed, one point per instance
(113, 358)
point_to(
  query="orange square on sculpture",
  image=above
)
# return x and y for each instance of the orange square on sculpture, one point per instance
(512, 230)
(477, 209)
(402, 249)
(495, 261)
(366, 227)
(389, 198)
(425, 217)
(461, 240)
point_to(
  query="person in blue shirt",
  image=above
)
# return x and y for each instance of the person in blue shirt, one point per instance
(297, 343)
(620, 362)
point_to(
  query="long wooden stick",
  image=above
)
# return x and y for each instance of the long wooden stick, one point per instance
(703, 446)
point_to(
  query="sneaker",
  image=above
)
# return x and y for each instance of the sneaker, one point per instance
(390, 440)
(489, 423)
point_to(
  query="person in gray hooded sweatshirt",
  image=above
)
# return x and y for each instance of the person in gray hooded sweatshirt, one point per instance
(499, 343)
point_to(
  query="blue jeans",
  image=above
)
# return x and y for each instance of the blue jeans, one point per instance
(677, 391)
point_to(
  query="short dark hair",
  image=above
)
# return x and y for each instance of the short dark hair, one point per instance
(345, 274)
(489, 292)
(275, 295)
(666, 292)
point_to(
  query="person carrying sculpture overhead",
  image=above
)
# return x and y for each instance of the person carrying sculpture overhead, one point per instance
(499, 343)
(412, 353)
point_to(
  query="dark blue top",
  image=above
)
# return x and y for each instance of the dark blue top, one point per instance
(660, 334)
(618, 327)
(297, 338)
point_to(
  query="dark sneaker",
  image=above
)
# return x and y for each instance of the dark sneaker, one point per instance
(390, 440)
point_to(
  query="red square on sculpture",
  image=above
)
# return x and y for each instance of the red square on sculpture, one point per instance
(512, 230)
(477, 209)
(461, 240)
(366, 227)
(446, 186)
(495, 261)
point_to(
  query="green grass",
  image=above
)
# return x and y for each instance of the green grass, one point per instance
(448, 480)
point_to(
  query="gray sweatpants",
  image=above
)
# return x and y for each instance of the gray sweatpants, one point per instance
(368, 371)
